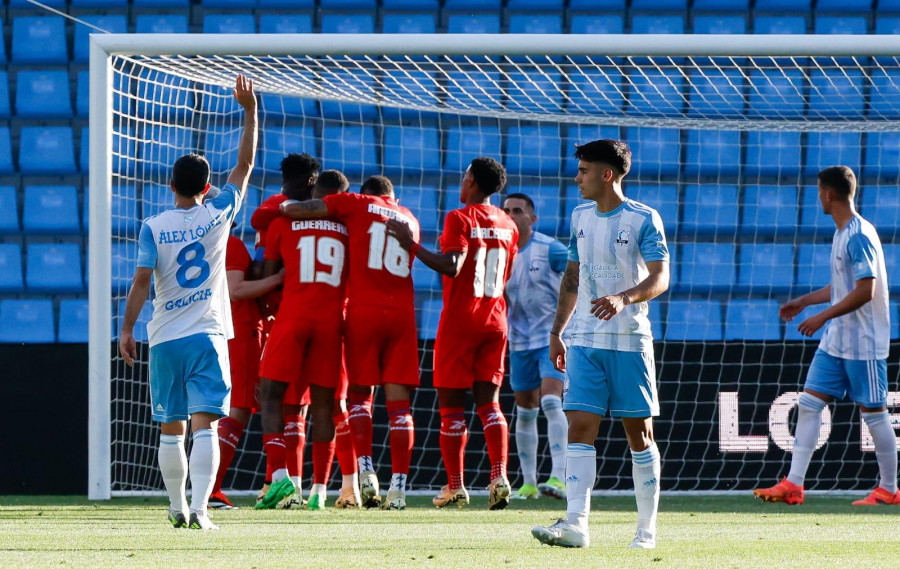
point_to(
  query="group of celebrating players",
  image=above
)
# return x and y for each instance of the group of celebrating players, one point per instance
(344, 323)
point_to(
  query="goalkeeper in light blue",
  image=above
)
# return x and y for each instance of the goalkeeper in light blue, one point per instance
(618, 261)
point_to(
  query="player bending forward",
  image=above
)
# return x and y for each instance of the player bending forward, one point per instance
(618, 260)
(184, 250)
(478, 247)
(852, 357)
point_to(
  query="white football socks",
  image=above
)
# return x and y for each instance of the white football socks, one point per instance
(398, 482)
(557, 433)
(350, 481)
(203, 467)
(527, 442)
(581, 472)
(174, 467)
(645, 471)
(885, 447)
(806, 435)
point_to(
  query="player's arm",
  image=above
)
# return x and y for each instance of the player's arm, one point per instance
(265, 214)
(140, 288)
(449, 263)
(793, 307)
(656, 283)
(565, 307)
(862, 293)
(239, 288)
(272, 267)
(240, 175)
(306, 209)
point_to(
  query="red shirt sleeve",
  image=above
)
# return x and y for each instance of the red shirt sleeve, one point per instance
(236, 256)
(453, 239)
(266, 213)
(341, 205)
(273, 240)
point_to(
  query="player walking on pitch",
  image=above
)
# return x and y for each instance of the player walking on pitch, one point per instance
(851, 360)
(184, 250)
(618, 260)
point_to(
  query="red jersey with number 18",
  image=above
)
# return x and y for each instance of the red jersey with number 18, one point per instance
(474, 297)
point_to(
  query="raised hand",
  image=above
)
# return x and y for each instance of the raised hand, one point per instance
(243, 92)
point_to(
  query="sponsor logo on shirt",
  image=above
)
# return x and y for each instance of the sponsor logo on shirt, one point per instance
(499, 233)
(604, 271)
(580, 234)
(188, 300)
(622, 237)
(534, 267)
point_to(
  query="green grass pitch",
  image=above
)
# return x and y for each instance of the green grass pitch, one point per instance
(720, 531)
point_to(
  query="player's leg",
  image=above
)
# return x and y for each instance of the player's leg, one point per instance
(496, 436)
(271, 405)
(173, 466)
(321, 407)
(453, 438)
(343, 443)
(524, 378)
(552, 383)
(294, 412)
(203, 464)
(230, 429)
(364, 373)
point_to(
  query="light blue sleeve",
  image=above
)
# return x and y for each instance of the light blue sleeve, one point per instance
(863, 256)
(573, 242)
(147, 253)
(652, 239)
(558, 255)
(228, 200)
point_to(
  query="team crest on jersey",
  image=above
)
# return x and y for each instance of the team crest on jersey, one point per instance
(534, 267)
(622, 237)
(188, 219)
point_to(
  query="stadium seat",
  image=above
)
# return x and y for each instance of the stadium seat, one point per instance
(593, 92)
(39, 40)
(882, 157)
(161, 3)
(536, 5)
(161, 24)
(350, 149)
(790, 328)
(155, 199)
(278, 143)
(473, 23)
(779, 24)
(660, 5)
(417, 87)
(661, 197)
(706, 267)
(841, 24)
(11, 268)
(429, 315)
(597, 5)
(123, 265)
(43, 95)
(546, 207)
(27, 322)
(597, 24)
(752, 320)
(881, 206)
(710, 210)
(479, 90)
(892, 262)
(252, 199)
(836, 94)
(535, 23)
(656, 93)
(348, 24)
(6, 161)
(126, 221)
(813, 266)
(113, 23)
(140, 326)
(777, 93)
(425, 278)
(166, 98)
(83, 93)
(845, 6)
(349, 4)
(229, 24)
(463, 143)
(228, 4)
(887, 25)
(221, 148)
(782, 5)
(721, 6)
(409, 23)
(46, 150)
(420, 5)
(358, 84)
(770, 210)
(572, 199)
(422, 201)
(772, 154)
(883, 94)
(716, 94)
(73, 321)
(765, 268)
(719, 23)
(579, 134)
(694, 320)
(656, 151)
(825, 149)
(533, 151)
(5, 107)
(714, 153)
(9, 210)
(657, 23)
(54, 268)
(411, 149)
(51, 210)
(303, 4)
(812, 220)
(2, 47)
(285, 24)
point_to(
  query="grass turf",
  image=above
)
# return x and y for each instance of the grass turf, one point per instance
(719, 531)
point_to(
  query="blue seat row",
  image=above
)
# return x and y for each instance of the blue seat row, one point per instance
(50, 268)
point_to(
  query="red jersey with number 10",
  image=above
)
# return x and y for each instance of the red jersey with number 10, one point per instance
(474, 300)
(380, 269)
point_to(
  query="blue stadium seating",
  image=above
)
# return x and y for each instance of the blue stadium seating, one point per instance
(657, 23)
(572, 198)
(841, 25)
(779, 24)
(546, 207)
(228, 4)
(812, 220)
(278, 143)
(883, 94)
(777, 93)
(790, 328)
(716, 94)
(661, 197)
(533, 151)
(580, 134)
(772, 154)
(752, 320)
(836, 94)
(892, 262)
(229, 24)
(6, 160)
(418, 87)
(348, 24)
(473, 23)
(73, 321)
(359, 84)
(766, 267)
(592, 92)
(140, 327)
(694, 320)
(421, 5)
(161, 3)
(882, 157)
(705, 267)
(11, 268)
(881, 206)
(845, 6)
(597, 24)
(83, 93)
(43, 95)
(655, 151)
(350, 149)
(535, 23)
(123, 265)
(5, 108)
(530, 91)
(166, 98)
(479, 91)
(285, 24)
(770, 210)
(888, 25)
(425, 278)
(113, 23)
(409, 23)
(116, 4)
(162, 24)
(26, 322)
(51, 210)
(422, 201)
(295, 4)
(252, 199)
(597, 5)
(782, 5)
(656, 320)
(429, 315)
(348, 4)
(46, 150)
(713, 153)
(126, 220)
(411, 149)
(221, 148)
(813, 266)
(711, 210)
(54, 268)
(39, 40)
(219, 101)
(721, 6)
(155, 199)
(464, 143)
(656, 93)
(825, 149)
(9, 210)
(719, 24)
(659, 5)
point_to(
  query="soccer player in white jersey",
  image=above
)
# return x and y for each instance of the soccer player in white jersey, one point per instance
(184, 250)
(851, 360)
(533, 292)
(618, 260)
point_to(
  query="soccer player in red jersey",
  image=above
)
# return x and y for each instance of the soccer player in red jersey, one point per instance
(381, 325)
(478, 246)
(243, 351)
(298, 174)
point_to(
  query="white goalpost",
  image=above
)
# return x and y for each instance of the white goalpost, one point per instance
(728, 133)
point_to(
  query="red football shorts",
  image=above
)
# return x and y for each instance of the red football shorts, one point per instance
(297, 394)
(304, 351)
(381, 346)
(243, 351)
(460, 359)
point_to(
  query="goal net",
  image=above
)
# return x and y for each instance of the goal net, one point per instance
(728, 133)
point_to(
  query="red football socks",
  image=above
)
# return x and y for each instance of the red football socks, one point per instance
(360, 410)
(323, 456)
(453, 438)
(230, 432)
(496, 435)
(402, 435)
(343, 443)
(294, 443)
(274, 446)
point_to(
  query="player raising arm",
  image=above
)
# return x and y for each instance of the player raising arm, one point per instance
(184, 250)
(618, 260)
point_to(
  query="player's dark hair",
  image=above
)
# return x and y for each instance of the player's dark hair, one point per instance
(330, 182)
(523, 197)
(839, 179)
(489, 174)
(190, 174)
(377, 186)
(615, 153)
(298, 167)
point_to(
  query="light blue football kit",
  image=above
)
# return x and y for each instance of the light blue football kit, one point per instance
(610, 363)
(191, 324)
